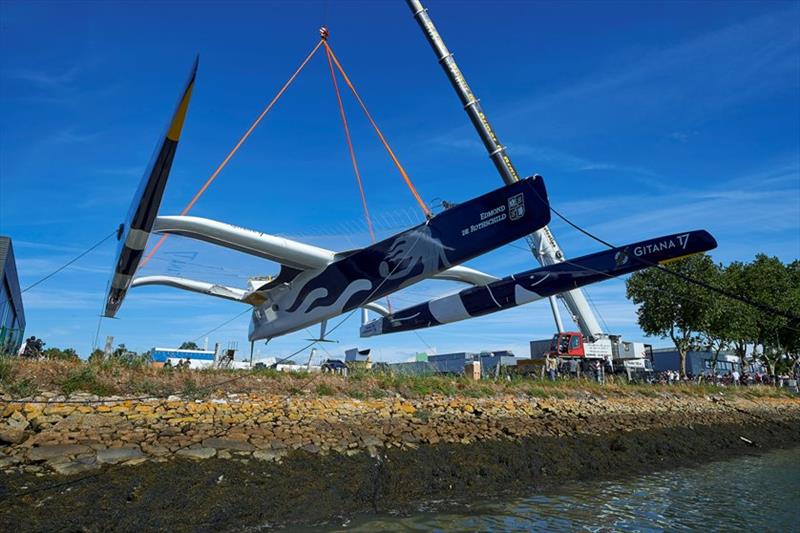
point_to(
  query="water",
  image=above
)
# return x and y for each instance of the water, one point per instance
(758, 493)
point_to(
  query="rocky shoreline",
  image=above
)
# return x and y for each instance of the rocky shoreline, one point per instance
(342, 455)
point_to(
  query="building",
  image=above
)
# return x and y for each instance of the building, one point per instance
(454, 363)
(699, 363)
(355, 358)
(175, 356)
(12, 315)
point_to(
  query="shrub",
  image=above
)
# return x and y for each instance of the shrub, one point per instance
(84, 379)
(23, 388)
(324, 390)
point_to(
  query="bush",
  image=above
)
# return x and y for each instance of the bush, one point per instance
(6, 371)
(23, 388)
(84, 379)
(67, 354)
(324, 390)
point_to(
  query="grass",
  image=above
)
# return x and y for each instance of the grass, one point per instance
(22, 377)
(324, 389)
(84, 379)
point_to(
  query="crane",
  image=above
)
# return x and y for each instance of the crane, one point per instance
(592, 341)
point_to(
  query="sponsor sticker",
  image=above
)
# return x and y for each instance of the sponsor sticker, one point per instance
(516, 207)
(680, 241)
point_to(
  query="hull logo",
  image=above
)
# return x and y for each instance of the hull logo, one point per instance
(516, 207)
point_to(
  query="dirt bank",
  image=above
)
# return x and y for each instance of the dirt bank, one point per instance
(311, 488)
(249, 460)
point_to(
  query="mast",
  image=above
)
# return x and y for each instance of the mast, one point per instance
(542, 243)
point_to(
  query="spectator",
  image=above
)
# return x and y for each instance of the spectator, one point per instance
(551, 366)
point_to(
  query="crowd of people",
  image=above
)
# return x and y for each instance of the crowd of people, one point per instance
(730, 378)
(602, 370)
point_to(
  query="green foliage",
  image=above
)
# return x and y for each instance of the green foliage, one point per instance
(190, 389)
(6, 370)
(67, 354)
(23, 388)
(671, 307)
(325, 390)
(189, 345)
(97, 356)
(694, 317)
(84, 379)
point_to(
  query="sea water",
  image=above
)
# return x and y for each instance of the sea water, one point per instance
(751, 493)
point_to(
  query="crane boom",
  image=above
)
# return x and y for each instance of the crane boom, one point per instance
(542, 243)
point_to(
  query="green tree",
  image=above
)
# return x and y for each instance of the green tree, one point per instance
(717, 332)
(670, 307)
(67, 354)
(742, 318)
(97, 356)
(769, 281)
(189, 345)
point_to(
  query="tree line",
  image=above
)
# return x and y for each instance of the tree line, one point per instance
(696, 318)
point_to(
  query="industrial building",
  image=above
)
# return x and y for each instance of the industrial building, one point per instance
(454, 363)
(700, 362)
(12, 314)
(175, 356)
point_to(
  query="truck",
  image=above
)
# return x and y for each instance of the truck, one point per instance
(634, 360)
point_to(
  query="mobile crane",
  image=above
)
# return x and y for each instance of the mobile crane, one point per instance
(590, 342)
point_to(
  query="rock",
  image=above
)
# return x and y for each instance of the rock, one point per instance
(73, 467)
(44, 453)
(197, 453)
(117, 455)
(135, 461)
(268, 455)
(371, 441)
(408, 408)
(228, 444)
(12, 435)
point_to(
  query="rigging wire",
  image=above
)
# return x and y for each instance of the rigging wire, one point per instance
(234, 150)
(397, 163)
(350, 147)
(71, 261)
(352, 154)
(759, 305)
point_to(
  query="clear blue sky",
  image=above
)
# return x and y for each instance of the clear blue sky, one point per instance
(645, 118)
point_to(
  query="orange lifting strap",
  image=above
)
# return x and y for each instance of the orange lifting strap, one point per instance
(331, 56)
(234, 150)
(350, 147)
(378, 131)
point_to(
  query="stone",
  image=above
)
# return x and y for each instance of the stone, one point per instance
(268, 455)
(117, 455)
(73, 467)
(155, 450)
(10, 435)
(408, 408)
(371, 441)
(197, 453)
(228, 444)
(44, 453)
(135, 461)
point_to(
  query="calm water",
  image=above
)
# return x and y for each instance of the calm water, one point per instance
(749, 493)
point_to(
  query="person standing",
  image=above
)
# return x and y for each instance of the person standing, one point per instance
(551, 365)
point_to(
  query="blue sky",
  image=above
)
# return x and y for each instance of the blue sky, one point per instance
(644, 119)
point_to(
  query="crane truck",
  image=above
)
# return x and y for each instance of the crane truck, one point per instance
(590, 342)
